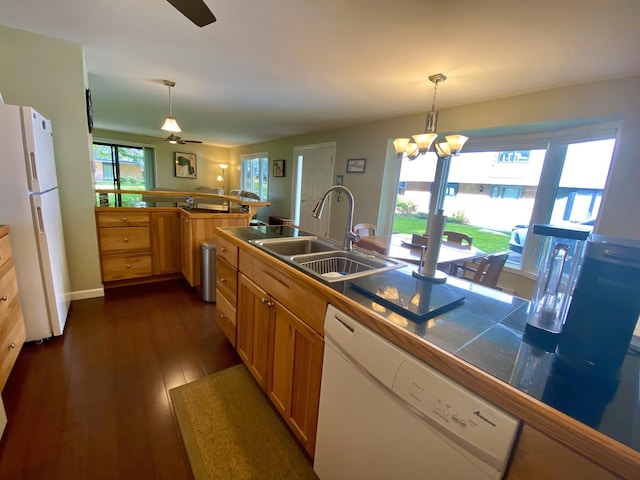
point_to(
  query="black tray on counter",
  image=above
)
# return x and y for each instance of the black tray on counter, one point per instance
(412, 297)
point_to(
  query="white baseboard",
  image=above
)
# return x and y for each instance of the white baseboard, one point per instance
(82, 294)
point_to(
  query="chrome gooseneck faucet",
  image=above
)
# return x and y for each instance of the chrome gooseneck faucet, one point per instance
(349, 236)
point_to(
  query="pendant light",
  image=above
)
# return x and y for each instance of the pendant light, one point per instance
(420, 143)
(170, 124)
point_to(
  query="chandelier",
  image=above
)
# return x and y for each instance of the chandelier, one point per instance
(420, 143)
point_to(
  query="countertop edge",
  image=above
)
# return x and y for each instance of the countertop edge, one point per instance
(198, 214)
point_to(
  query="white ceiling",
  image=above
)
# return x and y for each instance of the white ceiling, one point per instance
(270, 69)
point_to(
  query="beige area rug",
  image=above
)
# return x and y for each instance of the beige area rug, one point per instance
(230, 430)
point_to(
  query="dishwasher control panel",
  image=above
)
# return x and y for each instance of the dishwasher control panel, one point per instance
(438, 399)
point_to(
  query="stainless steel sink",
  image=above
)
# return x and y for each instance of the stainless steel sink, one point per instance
(341, 265)
(289, 246)
(324, 258)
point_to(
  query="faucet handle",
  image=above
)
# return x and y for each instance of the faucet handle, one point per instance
(354, 237)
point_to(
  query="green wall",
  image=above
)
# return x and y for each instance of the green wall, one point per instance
(49, 75)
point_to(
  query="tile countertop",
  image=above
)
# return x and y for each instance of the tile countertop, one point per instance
(487, 331)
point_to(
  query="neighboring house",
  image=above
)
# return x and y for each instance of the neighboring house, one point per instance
(483, 183)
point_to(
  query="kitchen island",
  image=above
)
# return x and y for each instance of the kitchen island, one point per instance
(572, 428)
(146, 243)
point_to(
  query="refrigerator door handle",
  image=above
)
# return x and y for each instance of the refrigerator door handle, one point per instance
(40, 220)
(34, 169)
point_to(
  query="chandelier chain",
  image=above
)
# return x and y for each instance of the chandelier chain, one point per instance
(435, 92)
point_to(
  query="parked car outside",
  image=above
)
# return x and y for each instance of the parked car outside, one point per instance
(519, 235)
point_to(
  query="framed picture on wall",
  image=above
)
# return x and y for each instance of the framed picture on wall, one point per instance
(278, 168)
(356, 165)
(186, 166)
(89, 109)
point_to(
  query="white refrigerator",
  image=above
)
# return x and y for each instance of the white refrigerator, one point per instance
(30, 206)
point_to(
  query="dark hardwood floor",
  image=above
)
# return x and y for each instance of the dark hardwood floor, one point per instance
(95, 403)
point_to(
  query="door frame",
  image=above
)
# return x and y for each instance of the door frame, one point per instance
(296, 181)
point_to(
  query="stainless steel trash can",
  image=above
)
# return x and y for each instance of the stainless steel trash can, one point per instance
(208, 271)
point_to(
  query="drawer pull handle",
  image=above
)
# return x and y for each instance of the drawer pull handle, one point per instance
(223, 249)
(4, 298)
(126, 240)
(222, 279)
(222, 316)
(12, 346)
(125, 219)
(269, 304)
(128, 265)
(265, 300)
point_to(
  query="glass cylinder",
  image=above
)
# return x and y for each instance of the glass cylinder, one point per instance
(562, 251)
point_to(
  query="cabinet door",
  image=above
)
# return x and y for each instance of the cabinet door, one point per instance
(296, 367)
(187, 248)
(165, 242)
(536, 456)
(252, 328)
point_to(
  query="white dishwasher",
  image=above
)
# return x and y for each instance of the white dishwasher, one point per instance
(386, 415)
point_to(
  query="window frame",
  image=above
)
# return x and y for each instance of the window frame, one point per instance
(263, 172)
(556, 144)
(149, 169)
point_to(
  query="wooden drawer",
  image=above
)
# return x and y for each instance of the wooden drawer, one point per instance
(8, 290)
(12, 336)
(297, 297)
(122, 267)
(124, 239)
(227, 280)
(226, 317)
(5, 249)
(227, 250)
(123, 219)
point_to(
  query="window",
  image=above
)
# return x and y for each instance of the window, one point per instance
(254, 174)
(514, 156)
(119, 167)
(506, 191)
(451, 190)
(505, 184)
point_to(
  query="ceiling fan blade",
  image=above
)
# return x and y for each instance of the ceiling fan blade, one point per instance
(195, 10)
(190, 141)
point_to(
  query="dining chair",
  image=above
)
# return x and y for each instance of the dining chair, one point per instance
(460, 239)
(489, 270)
(457, 237)
(365, 229)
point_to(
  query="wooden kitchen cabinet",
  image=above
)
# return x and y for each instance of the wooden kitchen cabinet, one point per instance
(197, 228)
(226, 288)
(165, 242)
(279, 347)
(125, 245)
(537, 456)
(296, 370)
(252, 337)
(12, 329)
(138, 245)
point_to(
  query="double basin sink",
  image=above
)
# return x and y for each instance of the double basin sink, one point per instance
(325, 259)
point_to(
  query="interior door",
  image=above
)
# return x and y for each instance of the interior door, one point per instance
(315, 164)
